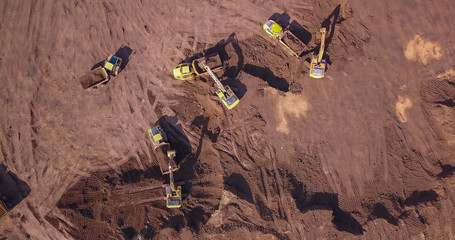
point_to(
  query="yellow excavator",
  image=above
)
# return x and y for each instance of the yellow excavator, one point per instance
(225, 93)
(173, 190)
(318, 64)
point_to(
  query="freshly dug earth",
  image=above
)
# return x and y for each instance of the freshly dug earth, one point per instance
(367, 152)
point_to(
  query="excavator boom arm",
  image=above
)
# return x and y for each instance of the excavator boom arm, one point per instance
(321, 50)
(215, 78)
(171, 175)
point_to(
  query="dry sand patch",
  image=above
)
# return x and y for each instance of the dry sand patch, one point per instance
(288, 105)
(447, 75)
(421, 50)
(401, 106)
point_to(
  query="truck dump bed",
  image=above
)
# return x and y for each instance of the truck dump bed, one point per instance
(93, 78)
(292, 43)
(213, 61)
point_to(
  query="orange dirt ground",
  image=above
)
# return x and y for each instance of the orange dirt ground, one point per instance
(367, 152)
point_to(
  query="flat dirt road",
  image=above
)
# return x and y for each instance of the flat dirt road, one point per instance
(367, 152)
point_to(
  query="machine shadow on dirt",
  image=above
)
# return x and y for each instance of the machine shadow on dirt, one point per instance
(12, 189)
(187, 168)
(230, 75)
(176, 136)
(329, 23)
(237, 184)
(123, 52)
(231, 72)
(300, 32)
(447, 171)
(342, 220)
(267, 75)
(281, 18)
(306, 202)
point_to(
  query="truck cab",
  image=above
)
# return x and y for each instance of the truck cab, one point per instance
(157, 136)
(273, 29)
(184, 71)
(112, 65)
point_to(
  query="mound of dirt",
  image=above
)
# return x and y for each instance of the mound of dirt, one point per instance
(364, 153)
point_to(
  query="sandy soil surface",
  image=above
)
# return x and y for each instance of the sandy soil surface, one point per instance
(368, 152)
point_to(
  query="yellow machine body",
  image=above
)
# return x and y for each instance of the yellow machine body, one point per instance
(112, 65)
(228, 97)
(318, 64)
(273, 29)
(184, 71)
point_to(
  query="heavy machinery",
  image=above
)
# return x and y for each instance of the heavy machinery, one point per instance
(157, 136)
(287, 39)
(225, 93)
(189, 71)
(160, 141)
(101, 75)
(173, 190)
(112, 65)
(318, 64)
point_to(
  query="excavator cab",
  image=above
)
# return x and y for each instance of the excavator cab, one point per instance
(173, 196)
(112, 65)
(229, 99)
(273, 29)
(184, 71)
(318, 64)
(157, 136)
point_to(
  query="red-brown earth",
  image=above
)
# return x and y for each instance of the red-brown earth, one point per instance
(367, 152)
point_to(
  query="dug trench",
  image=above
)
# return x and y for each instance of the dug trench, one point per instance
(246, 180)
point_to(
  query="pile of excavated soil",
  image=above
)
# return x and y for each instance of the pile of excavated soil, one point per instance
(367, 152)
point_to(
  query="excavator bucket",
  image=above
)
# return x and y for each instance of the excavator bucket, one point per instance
(318, 64)
(171, 155)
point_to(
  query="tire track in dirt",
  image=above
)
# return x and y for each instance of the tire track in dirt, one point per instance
(64, 145)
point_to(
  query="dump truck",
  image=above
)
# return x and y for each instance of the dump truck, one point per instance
(161, 144)
(189, 71)
(101, 75)
(287, 39)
